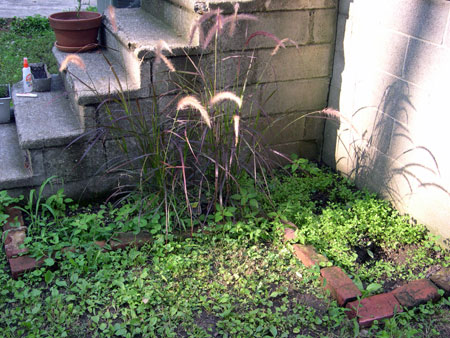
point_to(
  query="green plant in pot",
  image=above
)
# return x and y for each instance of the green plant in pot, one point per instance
(5, 100)
(76, 31)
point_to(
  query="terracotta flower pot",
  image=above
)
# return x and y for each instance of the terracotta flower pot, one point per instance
(76, 33)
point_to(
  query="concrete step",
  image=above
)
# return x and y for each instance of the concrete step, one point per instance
(176, 14)
(45, 121)
(137, 31)
(102, 78)
(17, 168)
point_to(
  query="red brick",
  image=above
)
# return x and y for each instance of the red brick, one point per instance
(15, 216)
(442, 280)
(101, 244)
(289, 234)
(23, 264)
(13, 240)
(308, 255)
(373, 308)
(416, 292)
(341, 287)
(124, 239)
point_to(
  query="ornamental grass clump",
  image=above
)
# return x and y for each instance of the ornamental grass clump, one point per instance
(188, 156)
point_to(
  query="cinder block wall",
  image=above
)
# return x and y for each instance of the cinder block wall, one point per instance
(299, 77)
(296, 80)
(390, 82)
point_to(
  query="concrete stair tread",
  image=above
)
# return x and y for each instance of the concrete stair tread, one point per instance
(13, 162)
(45, 121)
(140, 32)
(97, 81)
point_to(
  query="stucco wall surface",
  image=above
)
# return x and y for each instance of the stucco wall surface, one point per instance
(390, 83)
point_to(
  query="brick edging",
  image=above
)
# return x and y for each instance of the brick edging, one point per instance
(347, 294)
(13, 238)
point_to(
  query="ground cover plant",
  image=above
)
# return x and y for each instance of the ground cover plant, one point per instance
(29, 37)
(234, 277)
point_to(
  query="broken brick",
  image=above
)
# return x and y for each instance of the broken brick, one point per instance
(308, 255)
(15, 218)
(289, 234)
(341, 287)
(124, 239)
(373, 308)
(442, 280)
(416, 292)
(13, 240)
(20, 265)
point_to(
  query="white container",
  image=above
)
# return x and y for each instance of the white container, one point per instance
(26, 77)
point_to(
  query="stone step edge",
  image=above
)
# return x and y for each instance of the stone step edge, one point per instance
(20, 263)
(376, 307)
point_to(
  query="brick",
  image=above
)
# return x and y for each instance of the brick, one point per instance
(340, 285)
(124, 239)
(289, 234)
(373, 308)
(416, 292)
(15, 216)
(22, 264)
(308, 255)
(13, 239)
(442, 280)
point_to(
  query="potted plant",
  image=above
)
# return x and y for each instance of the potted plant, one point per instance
(5, 99)
(76, 31)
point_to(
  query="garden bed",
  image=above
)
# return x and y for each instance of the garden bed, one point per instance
(233, 277)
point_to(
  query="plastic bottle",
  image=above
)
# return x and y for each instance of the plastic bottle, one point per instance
(26, 77)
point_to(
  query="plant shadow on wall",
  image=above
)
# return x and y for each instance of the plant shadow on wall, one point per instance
(199, 144)
(381, 155)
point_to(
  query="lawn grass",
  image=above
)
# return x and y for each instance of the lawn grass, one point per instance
(234, 278)
(30, 37)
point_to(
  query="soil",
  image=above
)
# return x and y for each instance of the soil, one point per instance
(39, 72)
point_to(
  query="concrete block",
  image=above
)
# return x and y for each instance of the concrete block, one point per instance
(290, 128)
(373, 48)
(377, 307)
(291, 96)
(293, 63)
(271, 5)
(179, 18)
(416, 292)
(425, 20)
(324, 25)
(427, 65)
(304, 149)
(341, 287)
(308, 255)
(290, 24)
(68, 165)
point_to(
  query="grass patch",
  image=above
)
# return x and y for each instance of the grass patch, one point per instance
(29, 37)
